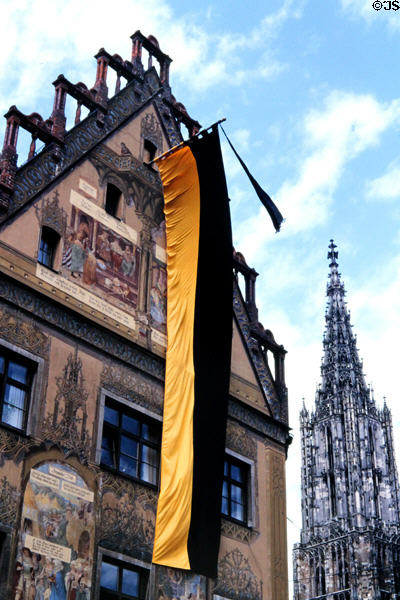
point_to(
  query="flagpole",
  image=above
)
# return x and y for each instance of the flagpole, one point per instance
(177, 146)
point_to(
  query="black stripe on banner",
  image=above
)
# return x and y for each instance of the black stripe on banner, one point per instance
(212, 355)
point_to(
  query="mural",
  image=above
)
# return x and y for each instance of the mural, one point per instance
(179, 585)
(56, 540)
(101, 260)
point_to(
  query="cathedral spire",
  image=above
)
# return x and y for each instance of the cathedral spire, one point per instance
(341, 367)
(350, 537)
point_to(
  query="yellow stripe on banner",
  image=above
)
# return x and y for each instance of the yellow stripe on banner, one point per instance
(182, 216)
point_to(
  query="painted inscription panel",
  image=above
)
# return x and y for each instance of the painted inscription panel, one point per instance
(56, 540)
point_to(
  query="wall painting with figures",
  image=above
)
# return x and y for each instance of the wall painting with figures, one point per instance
(101, 263)
(56, 540)
(102, 254)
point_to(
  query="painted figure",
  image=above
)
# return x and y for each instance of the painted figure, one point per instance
(78, 254)
(117, 248)
(103, 247)
(41, 581)
(128, 262)
(89, 269)
(54, 570)
(25, 589)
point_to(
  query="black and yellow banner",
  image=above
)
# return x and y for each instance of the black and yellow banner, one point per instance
(199, 327)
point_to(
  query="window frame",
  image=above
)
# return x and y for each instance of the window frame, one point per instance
(136, 411)
(123, 561)
(249, 488)
(36, 366)
(54, 244)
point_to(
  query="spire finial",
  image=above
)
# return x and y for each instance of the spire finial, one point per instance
(332, 254)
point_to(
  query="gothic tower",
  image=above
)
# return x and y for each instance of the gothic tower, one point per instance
(350, 538)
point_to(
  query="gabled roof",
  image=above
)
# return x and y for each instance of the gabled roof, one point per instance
(64, 149)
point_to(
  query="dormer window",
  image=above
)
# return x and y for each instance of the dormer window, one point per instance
(149, 151)
(113, 202)
(49, 241)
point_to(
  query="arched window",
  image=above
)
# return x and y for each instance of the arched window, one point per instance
(113, 202)
(375, 479)
(320, 585)
(342, 568)
(331, 474)
(49, 240)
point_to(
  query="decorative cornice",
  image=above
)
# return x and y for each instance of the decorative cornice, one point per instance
(262, 424)
(79, 327)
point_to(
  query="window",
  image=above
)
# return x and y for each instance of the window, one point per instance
(149, 151)
(15, 381)
(320, 583)
(113, 200)
(121, 580)
(48, 247)
(131, 442)
(235, 489)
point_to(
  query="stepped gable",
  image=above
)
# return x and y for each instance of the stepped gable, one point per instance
(63, 148)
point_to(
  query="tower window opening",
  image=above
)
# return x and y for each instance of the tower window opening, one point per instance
(331, 474)
(396, 572)
(374, 473)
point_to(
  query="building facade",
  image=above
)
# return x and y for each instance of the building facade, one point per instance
(350, 538)
(82, 352)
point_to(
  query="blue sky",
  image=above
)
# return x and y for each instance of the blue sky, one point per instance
(311, 93)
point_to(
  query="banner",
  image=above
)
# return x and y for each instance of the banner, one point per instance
(199, 326)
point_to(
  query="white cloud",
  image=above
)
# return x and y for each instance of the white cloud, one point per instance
(360, 8)
(386, 187)
(364, 9)
(345, 126)
(40, 38)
